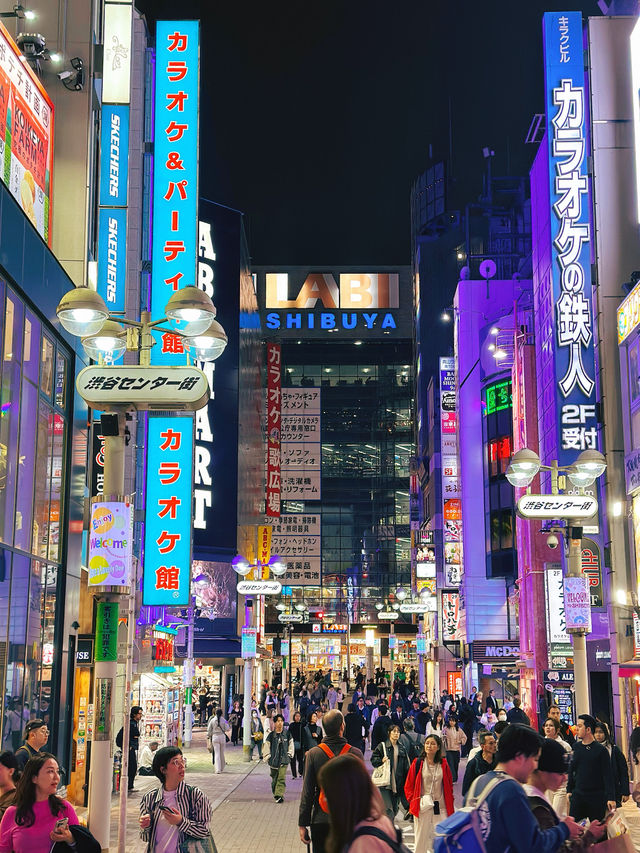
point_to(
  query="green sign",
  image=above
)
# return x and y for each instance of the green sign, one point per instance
(498, 397)
(107, 631)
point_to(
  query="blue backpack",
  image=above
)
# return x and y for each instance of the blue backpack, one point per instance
(462, 832)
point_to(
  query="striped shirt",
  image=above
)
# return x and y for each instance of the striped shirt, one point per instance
(192, 804)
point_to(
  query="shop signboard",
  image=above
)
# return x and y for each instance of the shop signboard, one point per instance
(84, 651)
(454, 683)
(167, 563)
(175, 173)
(497, 397)
(559, 683)
(110, 544)
(388, 615)
(96, 485)
(554, 595)
(495, 652)
(116, 67)
(114, 155)
(421, 644)
(274, 430)
(300, 448)
(566, 121)
(112, 257)
(632, 467)
(557, 506)
(107, 631)
(452, 617)
(259, 587)
(112, 388)
(296, 540)
(249, 643)
(591, 568)
(411, 607)
(290, 617)
(359, 304)
(577, 604)
(26, 131)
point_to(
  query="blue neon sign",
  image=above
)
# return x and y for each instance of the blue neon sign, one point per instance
(167, 541)
(566, 114)
(175, 173)
(112, 256)
(114, 156)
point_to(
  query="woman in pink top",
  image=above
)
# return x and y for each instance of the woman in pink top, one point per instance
(357, 815)
(35, 822)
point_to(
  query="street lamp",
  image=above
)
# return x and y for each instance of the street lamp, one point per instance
(83, 313)
(590, 464)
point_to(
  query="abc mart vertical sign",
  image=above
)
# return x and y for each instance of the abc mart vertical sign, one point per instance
(566, 114)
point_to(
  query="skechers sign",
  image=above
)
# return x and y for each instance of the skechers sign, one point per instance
(112, 258)
(347, 304)
(114, 156)
(566, 114)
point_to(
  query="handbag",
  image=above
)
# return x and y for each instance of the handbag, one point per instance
(191, 844)
(381, 776)
(257, 735)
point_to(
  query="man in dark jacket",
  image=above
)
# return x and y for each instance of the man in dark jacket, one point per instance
(423, 718)
(380, 731)
(590, 787)
(134, 742)
(492, 702)
(310, 816)
(482, 762)
(355, 728)
(281, 751)
(411, 740)
(516, 714)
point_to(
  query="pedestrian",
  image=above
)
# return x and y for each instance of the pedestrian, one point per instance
(634, 753)
(355, 727)
(145, 762)
(280, 745)
(332, 698)
(488, 719)
(507, 821)
(312, 733)
(482, 762)
(36, 821)
(174, 812)
(135, 716)
(491, 702)
(590, 788)
(436, 725)
(476, 707)
(296, 729)
(217, 738)
(357, 819)
(380, 730)
(466, 720)
(313, 823)
(557, 797)
(235, 720)
(565, 730)
(36, 734)
(454, 740)
(340, 698)
(618, 763)
(394, 752)
(9, 775)
(411, 740)
(257, 733)
(516, 714)
(429, 792)
(548, 778)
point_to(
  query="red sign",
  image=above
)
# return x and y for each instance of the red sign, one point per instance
(454, 683)
(162, 650)
(274, 397)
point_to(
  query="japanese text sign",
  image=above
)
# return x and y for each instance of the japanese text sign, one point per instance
(167, 548)
(26, 131)
(143, 388)
(451, 628)
(175, 172)
(566, 113)
(554, 595)
(110, 541)
(577, 604)
(557, 506)
(107, 631)
(274, 397)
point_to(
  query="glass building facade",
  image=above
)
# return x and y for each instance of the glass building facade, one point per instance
(35, 397)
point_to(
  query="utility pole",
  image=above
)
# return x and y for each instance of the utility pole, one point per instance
(579, 637)
(187, 676)
(248, 678)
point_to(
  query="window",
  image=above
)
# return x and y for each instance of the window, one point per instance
(499, 451)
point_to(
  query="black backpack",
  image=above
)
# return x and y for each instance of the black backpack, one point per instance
(397, 846)
(414, 748)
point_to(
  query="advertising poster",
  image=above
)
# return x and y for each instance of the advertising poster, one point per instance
(26, 136)
(110, 541)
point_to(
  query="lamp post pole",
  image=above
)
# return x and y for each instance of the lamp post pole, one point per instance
(187, 677)
(421, 680)
(248, 678)
(579, 638)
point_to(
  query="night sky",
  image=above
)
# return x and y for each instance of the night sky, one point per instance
(316, 118)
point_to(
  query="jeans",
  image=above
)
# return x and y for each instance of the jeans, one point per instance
(255, 743)
(278, 776)
(319, 834)
(297, 760)
(453, 760)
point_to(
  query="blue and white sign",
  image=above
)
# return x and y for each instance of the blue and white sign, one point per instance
(167, 543)
(566, 113)
(112, 256)
(114, 156)
(175, 173)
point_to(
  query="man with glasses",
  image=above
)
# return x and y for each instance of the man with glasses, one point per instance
(36, 734)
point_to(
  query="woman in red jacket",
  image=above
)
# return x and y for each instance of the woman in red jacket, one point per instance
(429, 790)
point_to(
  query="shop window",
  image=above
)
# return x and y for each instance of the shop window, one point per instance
(26, 466)
(31, 347)
(499, 452)
(46, 367)
(9, 422)
(635, 428)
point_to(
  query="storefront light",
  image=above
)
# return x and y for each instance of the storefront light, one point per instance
(369, 638)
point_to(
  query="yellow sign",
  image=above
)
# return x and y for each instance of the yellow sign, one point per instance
(264, 548)
(629, 314)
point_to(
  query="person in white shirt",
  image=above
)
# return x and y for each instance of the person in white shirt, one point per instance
(217, 738)
(145, 759)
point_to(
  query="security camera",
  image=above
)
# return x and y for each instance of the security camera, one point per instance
(552, 541)
(65, 75)
(33, 45)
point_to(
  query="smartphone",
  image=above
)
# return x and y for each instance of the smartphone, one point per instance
(61, 824)
(165, 808)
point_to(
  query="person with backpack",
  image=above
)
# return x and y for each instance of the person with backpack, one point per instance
(357, 822)
(313, 821)
(394, 752)
(429, 791)
(411, 740)
(497, 813)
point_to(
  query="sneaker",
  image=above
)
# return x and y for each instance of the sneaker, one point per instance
(279, 799)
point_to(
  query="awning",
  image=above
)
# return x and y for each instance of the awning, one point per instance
(629, 669)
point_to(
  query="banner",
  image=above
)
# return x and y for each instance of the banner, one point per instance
(274, 388)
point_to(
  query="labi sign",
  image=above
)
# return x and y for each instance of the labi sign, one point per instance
(356, 303)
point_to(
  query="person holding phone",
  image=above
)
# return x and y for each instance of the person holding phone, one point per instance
(175, 811)
(39, 818)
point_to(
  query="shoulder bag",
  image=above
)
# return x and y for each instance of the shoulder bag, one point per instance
(191, 844)
(381, 776)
